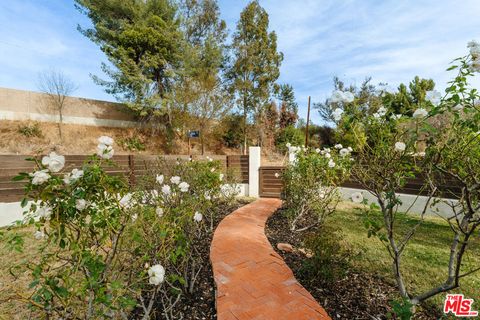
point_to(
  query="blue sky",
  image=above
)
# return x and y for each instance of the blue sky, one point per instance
(392, 41)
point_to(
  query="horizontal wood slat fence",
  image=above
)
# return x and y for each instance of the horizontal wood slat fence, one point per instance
(132, 166)
(271, 186)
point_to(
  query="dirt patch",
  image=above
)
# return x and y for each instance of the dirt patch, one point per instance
(354, 295)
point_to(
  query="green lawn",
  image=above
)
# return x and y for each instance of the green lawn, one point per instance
(425, 259)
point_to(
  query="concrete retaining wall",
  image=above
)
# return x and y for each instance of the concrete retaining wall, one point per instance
(28, 105)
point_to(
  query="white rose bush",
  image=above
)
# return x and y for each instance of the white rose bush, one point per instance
(110, 250)
(310, 184)
(439, 139)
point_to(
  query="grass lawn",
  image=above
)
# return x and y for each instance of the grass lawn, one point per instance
(425, 259)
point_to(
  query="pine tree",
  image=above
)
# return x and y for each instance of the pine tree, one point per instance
(256, 63)
(142, 41)
(288, 107)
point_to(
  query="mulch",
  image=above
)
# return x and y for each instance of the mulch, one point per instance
(201, 303)
(356, 295)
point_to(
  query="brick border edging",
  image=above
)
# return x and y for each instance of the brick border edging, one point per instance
(252, 280)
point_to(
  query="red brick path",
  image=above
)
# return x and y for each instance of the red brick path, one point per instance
(253, 281)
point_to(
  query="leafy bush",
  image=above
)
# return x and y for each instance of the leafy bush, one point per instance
(30, 130)
(289, 135)
(311, 183)
(107, 251)
(132, 144)
(329, 260)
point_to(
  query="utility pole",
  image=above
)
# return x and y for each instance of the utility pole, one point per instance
(308, 121)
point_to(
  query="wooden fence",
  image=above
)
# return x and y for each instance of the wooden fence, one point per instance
(131, 166)
(271, 185)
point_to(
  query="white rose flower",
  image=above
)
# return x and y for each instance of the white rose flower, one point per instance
(126, 201)
(54, 162)
(159, 178)
(156, 274)
(80, 204)
(338, 146)
(183, 186)
(175, 180)
(348, 97)
(212, 170)
(166, 190)
(357, 197)
(337, 96)
(288, 145)
(159, 212)
(376, 115)
(105, 140)
(317, 150)
(350, 149)
(328, 155)
(221, 176)
(44, 212)
(382, 111)
(434, 97)
(67, 178)
(337, 114)
(105, 151)
(396, 116)
(474, 47)
(277, 175)
(458, 107)
(39, 235)
(400, 146)
(197, 216)
(77, 174)
(344, 152)
(420, 113)
(39, 177)
(331, 164)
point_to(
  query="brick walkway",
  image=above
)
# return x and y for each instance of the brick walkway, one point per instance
(253, 281)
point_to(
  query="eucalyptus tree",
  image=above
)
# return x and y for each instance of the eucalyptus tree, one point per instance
(255, 65)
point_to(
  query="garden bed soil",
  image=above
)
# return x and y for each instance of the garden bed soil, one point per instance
(357, 295)
(201, 303)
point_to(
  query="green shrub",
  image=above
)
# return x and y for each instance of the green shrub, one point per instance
(289, 135)
(311, 183)
(30, 130)
(329, 260)
(132, 144)
(106, 250)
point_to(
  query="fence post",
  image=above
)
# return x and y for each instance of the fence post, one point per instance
(254, 161)
(131, 167)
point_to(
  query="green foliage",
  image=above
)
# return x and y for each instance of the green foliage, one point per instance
(132, 144)
(233, 133)
(143, 42)
(402, 309)
(98, 238)
(30, 130)
(256, 62)
(310, 185)
(290, 135)
(330, 260)
(288, 106)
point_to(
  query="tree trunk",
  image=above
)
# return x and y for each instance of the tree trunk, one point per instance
(244, 124)
(60, 124)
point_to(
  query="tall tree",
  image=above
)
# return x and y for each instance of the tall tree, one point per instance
(288, 107)
(256, 63)
(142, 41)
(201, 90)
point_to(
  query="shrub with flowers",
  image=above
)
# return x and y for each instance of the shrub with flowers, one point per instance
(440, 138)
(311, 182)
(109, 251)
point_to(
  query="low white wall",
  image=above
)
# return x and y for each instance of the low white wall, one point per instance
(412, 202)
(11, 212)
(22, 116)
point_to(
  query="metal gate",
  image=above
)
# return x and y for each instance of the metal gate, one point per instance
(270, 183)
